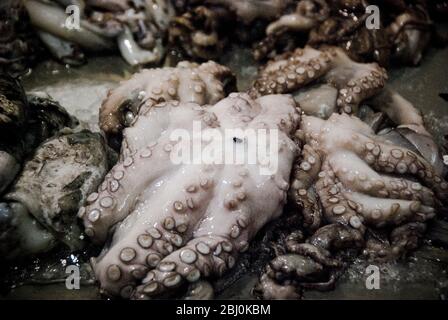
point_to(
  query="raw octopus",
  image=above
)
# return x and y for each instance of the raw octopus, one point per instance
(367, 185)
(163, 224)
(356, 189)
(147, 255)
(328, 81)
(137, 27)
(48, 164)
(404, 32)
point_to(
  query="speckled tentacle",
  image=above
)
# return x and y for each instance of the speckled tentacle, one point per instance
(355, 81)
(292, 71)
(301, 192)
(360, 177)
(154, 230)
(337, 209)
(404, 161)
(199, 258)
(115, 196)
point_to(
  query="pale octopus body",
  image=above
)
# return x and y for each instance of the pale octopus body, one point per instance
(177, 223)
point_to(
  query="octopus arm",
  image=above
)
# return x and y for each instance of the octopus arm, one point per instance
(401, 111)
(292, 72)
(134, 54)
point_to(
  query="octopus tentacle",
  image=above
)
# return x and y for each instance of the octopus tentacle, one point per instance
(399, 110)
(336, 236)
(380, 211)
(303, 265)
(355, 81)
(306, 16)
(111, 203)
(200, 257)
(291, 72)
(362, 178)
(301, 191)
(337, 208)
(399, 160)
(318, 254)
(402, 239)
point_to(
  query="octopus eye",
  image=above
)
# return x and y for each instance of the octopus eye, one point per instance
(129, 118)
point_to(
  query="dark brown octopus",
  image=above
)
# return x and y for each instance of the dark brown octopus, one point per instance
(20, 47)
(200, 32)
(404, 33)
(204, 28)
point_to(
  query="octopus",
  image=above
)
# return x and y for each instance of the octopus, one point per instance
(163, 225)
(404, 32)
(356, 190)
(200, 32)
(39, 211)
(20, 47)
(369, 177)
(169, 228)
(206, 83)
(136, 28)
(328, 81)
(250, 10)
(203, 29)
(48, 163)
(25, 122)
